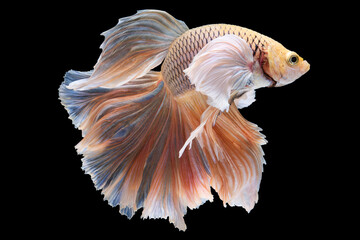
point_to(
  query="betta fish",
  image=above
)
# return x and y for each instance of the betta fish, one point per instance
(160, 140)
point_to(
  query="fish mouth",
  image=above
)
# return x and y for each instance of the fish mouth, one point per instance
(306, 67)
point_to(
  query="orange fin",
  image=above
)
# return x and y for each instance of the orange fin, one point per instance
(132, 136)
(232, 147)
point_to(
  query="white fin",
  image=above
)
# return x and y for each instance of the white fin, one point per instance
(210, 113)
(193, 135)
(245, 100)
(224, 64)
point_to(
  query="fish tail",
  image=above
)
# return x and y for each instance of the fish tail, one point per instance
(132, 48)
(231, 145)
(131, 139)
(133, 129)
(131, 125)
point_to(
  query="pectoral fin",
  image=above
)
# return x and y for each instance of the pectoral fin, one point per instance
(223, 65)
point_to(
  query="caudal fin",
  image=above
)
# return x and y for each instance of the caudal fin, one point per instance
(132, 48)
(132, 136)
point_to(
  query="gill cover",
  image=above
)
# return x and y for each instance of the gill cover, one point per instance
(282, 65)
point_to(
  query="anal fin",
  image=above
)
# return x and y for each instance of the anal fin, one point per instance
(232, 147)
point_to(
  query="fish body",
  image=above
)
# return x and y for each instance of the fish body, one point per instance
(161, 140)
(185, 47)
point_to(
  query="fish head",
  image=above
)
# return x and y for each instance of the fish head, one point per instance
(283, 66)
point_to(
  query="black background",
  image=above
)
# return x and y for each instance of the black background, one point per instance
(299, 192)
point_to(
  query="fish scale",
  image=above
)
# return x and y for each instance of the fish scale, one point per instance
(186, 46)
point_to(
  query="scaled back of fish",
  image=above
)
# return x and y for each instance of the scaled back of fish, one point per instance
(160, 140)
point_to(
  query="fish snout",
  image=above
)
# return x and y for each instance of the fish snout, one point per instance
(305, 67)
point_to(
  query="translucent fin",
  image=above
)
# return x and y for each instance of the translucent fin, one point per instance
(233, 149)
(210, 114)
(72, 100)
(132, 136)
(132, 48)
(224, 64)
(245, 100)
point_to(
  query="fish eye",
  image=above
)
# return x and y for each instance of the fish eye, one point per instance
(293, 59)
